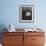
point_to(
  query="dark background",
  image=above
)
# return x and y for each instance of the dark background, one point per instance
(24, 17)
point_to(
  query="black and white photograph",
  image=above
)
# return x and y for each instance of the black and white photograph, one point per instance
(26, 13)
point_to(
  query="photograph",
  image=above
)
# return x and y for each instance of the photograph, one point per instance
(26, 13)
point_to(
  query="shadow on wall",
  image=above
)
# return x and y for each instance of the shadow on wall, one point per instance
(2, 26)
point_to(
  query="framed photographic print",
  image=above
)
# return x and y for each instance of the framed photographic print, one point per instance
(26, 13)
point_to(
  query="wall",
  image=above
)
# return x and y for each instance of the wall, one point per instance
(9, 13)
